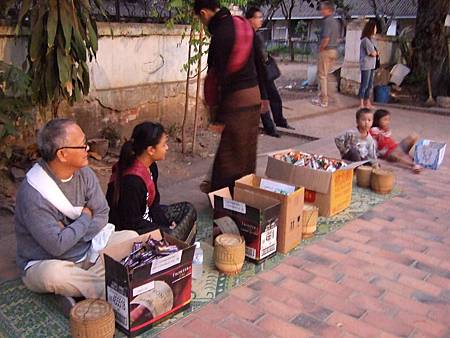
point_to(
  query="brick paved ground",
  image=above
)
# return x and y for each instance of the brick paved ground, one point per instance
(385, 274)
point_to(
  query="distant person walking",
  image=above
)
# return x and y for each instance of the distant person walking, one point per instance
(367, 62)
(329, 36)
(256, 18)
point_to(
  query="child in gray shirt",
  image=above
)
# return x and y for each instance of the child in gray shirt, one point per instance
(357, 144)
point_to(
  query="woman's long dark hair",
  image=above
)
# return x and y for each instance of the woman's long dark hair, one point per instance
(369, 29)
(146, 134)
(379, 114)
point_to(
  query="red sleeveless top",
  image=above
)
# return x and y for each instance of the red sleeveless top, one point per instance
(140, 170)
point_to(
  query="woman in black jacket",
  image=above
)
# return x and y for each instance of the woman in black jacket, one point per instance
(133, 195)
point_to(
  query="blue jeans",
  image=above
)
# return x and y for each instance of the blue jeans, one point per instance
(366, 84)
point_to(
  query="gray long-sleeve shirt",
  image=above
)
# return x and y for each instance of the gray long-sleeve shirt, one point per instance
(39, 233)
(351, 139)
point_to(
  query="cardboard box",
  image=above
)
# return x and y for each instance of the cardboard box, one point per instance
(330, 192)
(429, 154)
(147, 295)
(256, 217)
(291, 199)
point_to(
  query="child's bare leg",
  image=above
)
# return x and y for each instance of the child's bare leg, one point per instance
(408, 142)
(404, 159)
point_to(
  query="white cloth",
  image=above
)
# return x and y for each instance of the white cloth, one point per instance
(40, 180)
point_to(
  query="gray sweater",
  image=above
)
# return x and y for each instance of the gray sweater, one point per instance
(38, 232)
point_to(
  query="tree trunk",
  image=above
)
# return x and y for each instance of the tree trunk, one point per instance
(186, 101)
(291, 43)
(430, 46)
(117, 10)
(290, 29)
(197, 91)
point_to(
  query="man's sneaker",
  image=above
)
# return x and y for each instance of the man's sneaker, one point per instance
(274, 133)
(286, 126)
(318, 102)
(65, 304)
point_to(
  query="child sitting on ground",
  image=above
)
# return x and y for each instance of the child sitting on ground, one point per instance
(357, 144)
(387, 147)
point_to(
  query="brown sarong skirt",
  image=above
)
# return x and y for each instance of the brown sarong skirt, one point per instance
(236, 155)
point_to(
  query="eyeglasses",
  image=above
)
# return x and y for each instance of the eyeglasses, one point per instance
(85, 147)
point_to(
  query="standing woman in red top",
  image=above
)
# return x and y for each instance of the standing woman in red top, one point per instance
(387, 148)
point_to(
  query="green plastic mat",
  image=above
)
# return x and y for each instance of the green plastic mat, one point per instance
(26, 314)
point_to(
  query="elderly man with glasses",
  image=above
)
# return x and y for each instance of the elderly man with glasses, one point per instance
(62, 218)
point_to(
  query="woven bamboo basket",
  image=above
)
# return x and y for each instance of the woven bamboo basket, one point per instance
(309, 220)
(363, 175)
(382, 181)
(92, 318)
(229, 253)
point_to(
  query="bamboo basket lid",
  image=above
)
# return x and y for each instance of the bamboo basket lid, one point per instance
(92, 318)
(229, 240)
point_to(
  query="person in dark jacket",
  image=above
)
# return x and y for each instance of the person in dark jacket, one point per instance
(133, 195)
(239, 97)
(256, 18)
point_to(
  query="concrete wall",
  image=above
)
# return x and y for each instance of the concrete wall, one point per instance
(136, 76)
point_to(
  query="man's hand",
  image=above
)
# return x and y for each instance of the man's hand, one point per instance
(87, 212)
(324, 43)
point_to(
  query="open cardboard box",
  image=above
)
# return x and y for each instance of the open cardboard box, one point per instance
(330, 192)
(256, 217)
(146, 295)
(290, 224)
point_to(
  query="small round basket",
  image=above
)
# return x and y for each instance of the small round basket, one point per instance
(363, 176)
(92, 318)
(309, 220)
(229, 253)
(382, 181)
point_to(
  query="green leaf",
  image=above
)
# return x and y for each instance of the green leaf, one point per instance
(86, 4)
(92, 35)
(64, 67)
(77, 92)
(37, 35)
(52, 22)
(51, 74)
(78, 45)
(66, 16)
(100, 6)
(23, 11)
(86, 80)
